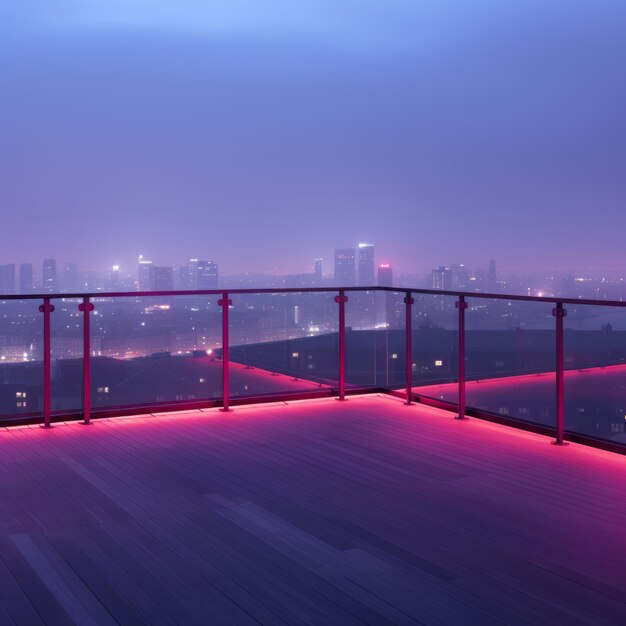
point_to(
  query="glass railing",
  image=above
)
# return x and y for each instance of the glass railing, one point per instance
(553, 365)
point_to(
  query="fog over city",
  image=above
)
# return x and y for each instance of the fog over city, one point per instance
(263, 135)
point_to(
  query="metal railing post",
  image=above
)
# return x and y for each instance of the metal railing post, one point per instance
(408, 332)
(46, 308)
(224, 302)
(559, 313)
(341, 300)
(461, 305)
(86, 307)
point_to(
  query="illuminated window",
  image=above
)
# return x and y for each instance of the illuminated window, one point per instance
(438, 363)
(20, 394)
(295, 355)
(103, 390)
(394, 356)
(203, 380)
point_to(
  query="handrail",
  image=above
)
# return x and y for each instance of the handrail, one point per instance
(333, 289)
(224, 301)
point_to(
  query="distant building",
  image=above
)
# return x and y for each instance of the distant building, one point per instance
(192, 274)
(317, 270)
(492, 278)
(385, 275)
(385, 279)
(116, 278)
(459, 277)
(7, 279)
(345, 271)
(145, 275)
(183, 277)
(367, 267)
(442, 278)
(70, 283)
(207, 275)
(49, 279)
(163, 278)
(26, 283)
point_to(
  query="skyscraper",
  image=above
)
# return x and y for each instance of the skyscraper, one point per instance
(317, 271)
(367, 266)
(163, 278)
(7, 279)
(442, 278)
(459, 277)
(344, 267)
(385, 275)
(207, 275)
(69, 278)
(492, 278)
(26, 278)
(145, 274)
(49, 281)
(115, 278)
(192, 274)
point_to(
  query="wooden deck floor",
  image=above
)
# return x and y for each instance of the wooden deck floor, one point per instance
(316, 512)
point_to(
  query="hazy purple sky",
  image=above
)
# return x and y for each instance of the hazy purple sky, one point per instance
(264, 133)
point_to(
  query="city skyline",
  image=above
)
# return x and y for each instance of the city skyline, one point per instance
(442, 130)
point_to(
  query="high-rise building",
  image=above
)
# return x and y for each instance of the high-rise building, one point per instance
(145, 274)
(492, 278)
(367, 266)
(207, 276)
(442, 278)
(49, 280)
(7, 279)
(393, 305)
(26, 278)
(163, 278)
(344, 267)
(317, 271)
(459, 277)
(70, 282)
(385, 275)
(115, 278)
(192, 274)
(183, 277)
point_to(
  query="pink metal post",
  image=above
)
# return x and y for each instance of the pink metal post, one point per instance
(46, 308)
(559, 313)
(341, 300)
(224, 302)
(86, 307)
(408, 330)
(461, 305)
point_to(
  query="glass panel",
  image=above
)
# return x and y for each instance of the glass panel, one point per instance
(159, 350)
(283, 343)
(434, 347)
(365, 345)
(510, 359)
(390, 371)
(595, 377)
(21, 359)
(66, 352)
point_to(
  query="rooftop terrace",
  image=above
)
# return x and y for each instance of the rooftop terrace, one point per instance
(316, 511)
